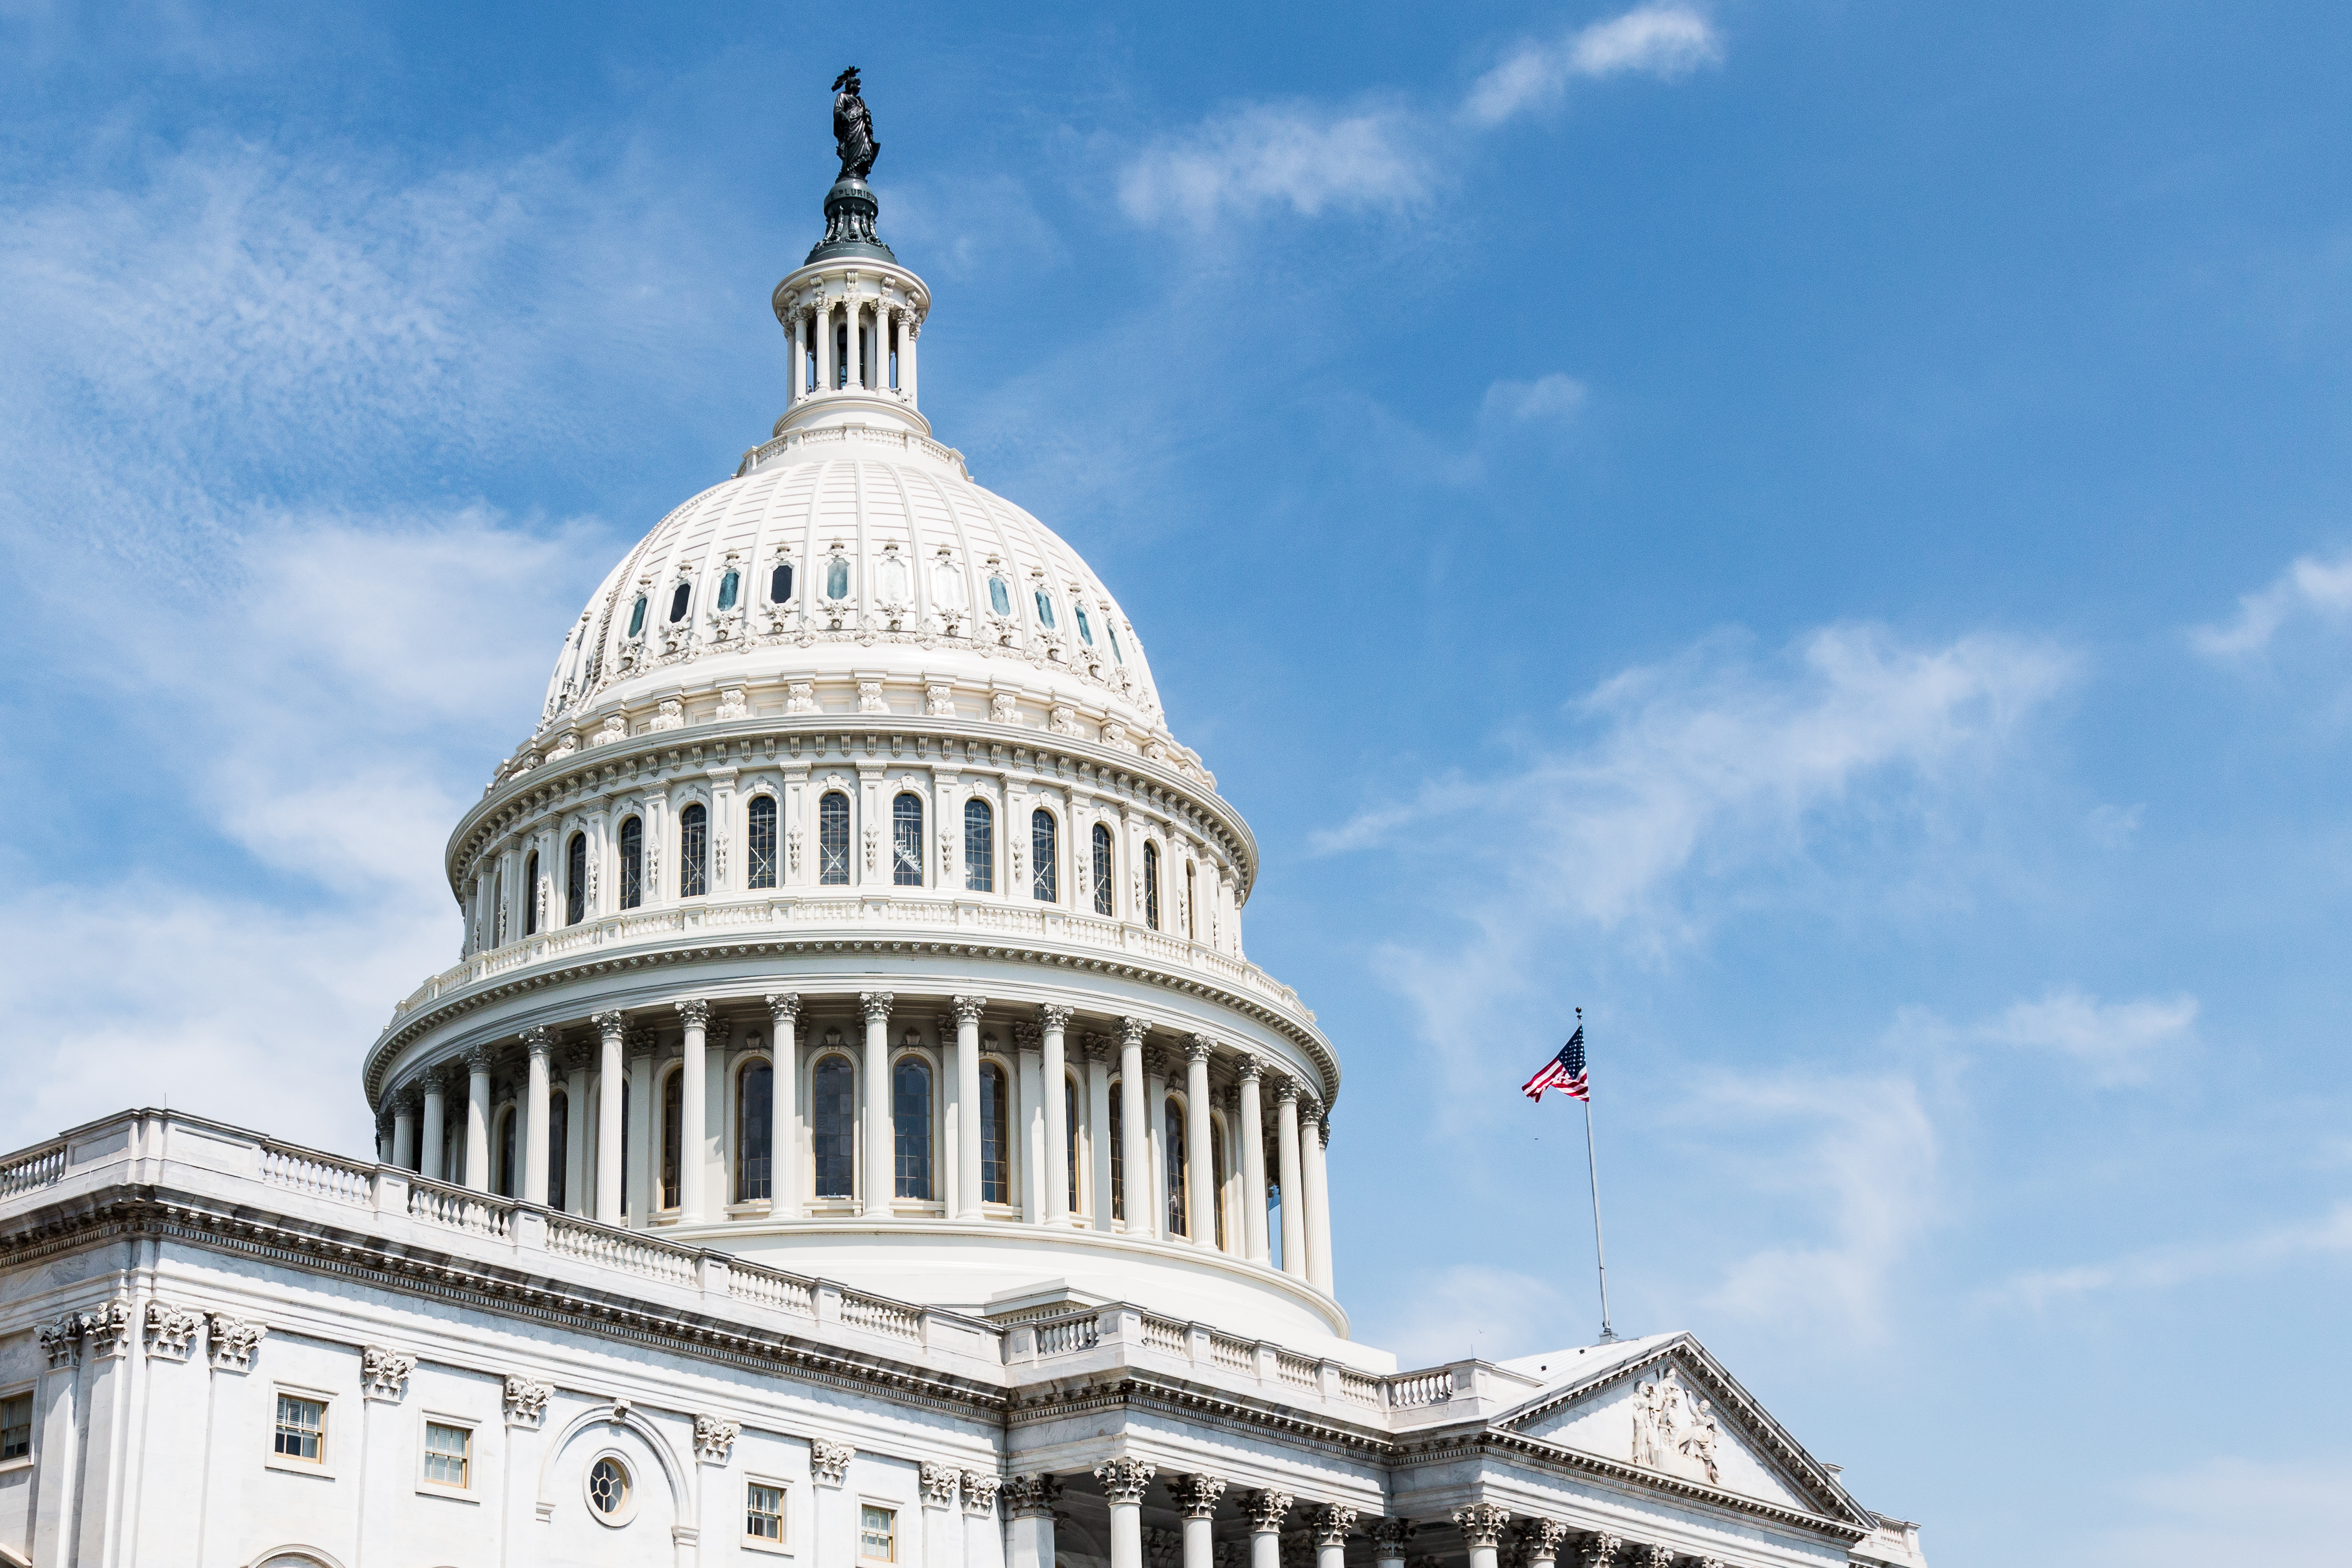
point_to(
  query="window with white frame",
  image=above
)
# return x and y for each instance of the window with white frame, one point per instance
(448, 1457)
(301, 1434)
(877, 1534)
(763, 1513)
(16, 1428)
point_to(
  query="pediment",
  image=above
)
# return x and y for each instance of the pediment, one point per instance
(1670, 1409)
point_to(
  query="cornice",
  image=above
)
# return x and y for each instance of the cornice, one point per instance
(1142, 1391)
(452, 1005)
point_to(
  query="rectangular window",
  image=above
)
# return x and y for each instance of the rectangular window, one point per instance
(448, 1454)
(877, 1534)
(763, 1513)
(17, 1427)
(301, 1429)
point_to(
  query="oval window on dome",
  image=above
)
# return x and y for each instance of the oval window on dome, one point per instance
(780, 582)
(637, 617)
(1044, 609)
(1000, 597)
(678, 601)
(729, 587)
(1085, 631)
(836, 578)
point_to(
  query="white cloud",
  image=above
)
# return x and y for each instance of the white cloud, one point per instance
(2321, 590)
(2117, 1041)
(2161, 1267)
(1299, 157)
(1553, 399)
(1660, 40)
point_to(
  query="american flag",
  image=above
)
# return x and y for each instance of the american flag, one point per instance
(1565, 1072)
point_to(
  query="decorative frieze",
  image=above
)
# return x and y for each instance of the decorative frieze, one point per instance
(1124, 1480)
(526, 1400)
(829, 1461)
(229, 1342)
(383, 1373)
(170, 1331)
(714, 1440)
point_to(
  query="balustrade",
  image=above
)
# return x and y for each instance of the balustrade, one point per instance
(319, 1175)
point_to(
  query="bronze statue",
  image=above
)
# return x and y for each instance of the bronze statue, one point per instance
(853, 127)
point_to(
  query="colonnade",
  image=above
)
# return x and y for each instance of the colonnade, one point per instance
(1052, 1075)
(864, 360)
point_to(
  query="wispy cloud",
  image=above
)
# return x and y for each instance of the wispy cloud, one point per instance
(1665, 41)
(2161, 1267)
(2118, 1041)
(1554, 400)
(1297, 156)
(2311, 588)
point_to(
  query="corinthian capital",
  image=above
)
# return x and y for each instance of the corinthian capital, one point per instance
(1538, 1539)
(1053, 1017)
(1196, 1495)
(1199, 1047)
(1249, 1069)
(694, 1012)
(1391, 1538)
(1131, 1031)
(877, 1004)
(784, 1009)
(1264, 1510)
(968, 1009)
(1124, 1480)
(1330, 1524)
(539, 1042)
(611, 1025)
(1601, 1549)
(1481, 1524)
(481, 1059)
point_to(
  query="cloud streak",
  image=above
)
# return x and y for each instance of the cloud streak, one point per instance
(1661, 41)
(2309, 590)
(2162, 1267)
(1297, 156)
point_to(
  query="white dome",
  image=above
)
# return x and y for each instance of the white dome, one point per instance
(911, 590)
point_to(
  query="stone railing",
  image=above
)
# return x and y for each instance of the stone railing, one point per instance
(622, 1250)
(459, 1209)
(834, 434)
(1411, 1390)
(877, 1316)
(797, 912)
(319, 1175)
(767, 1288)
(34, 1168)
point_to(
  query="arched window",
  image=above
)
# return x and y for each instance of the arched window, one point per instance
(673, 1133)
(559, 1147)
(1152, 886)
(693, 851)
(1101, 869)
(979, 846)
(678, 598)
(1118, 1152)
(1191, 888)
(505, 1183)
(836, 578)
(637, 616)
(1000, 597)
(1180, 1211)
(910, 1126)
(755, 1101)
(633, 863)
(780, 583)
(1070, 1135)
(1085, 629)
(729, 587)
(1043, 879)
(906, 841)
(833, 839)
(1217, 1176)
(530, 894)
(1044, 608)
(575, 880)
(764, 841)
(996, 1136)
(833, 1122)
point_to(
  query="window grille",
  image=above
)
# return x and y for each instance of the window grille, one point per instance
(995, 1137)
(575, 880)
(755, 1088)
(633, 863)
(301, 1431)
(1102, 869)
(910, 1125)
(764, 841)
(1152, 886)
(833, 1120)
(693, 852)
(448, 1454)
(1043, 879)
(979, 846)
(906, 841)
(833, 839)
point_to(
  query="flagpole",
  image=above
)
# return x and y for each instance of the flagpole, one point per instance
(1593, 1170)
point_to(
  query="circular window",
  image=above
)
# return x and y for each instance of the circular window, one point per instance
(612, 1493)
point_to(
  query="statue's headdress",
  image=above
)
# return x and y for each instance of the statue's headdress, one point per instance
(849, 76)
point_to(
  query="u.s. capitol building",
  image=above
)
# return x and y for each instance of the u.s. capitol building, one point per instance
(853, 1133)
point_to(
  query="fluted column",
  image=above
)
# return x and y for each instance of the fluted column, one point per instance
(1482, 1532)
(797, 388)
(403, 1132)
(1253, 1139)
(1097, 1049)
(907, 336)
(478, 1118)
(536, 1045)
(855, 364)
(1294, 1184)
(1124, 1483)
(611, 1074)
(1311, 1130)
(1053, 1021)
(821, 323)
(1029, 1124)
(1134, 1151)
(577, 1160)
(1264, 1510)
(968, 1010)
(694, 1083)
(1196, 1498)
(436, 1124)
(1330, 1524)
(1391, 1540)
(881, 1165)
(1199, 1162)
(783, 1114)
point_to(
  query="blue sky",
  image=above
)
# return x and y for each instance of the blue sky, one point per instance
(1815, 531)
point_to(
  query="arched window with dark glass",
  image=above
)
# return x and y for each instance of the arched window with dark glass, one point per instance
(833, 839)
(1217, 1178)
(530, 894)
(637, 616)
(1086, 627)
(633, 863)
(575, 880)
(1000, 597)
(1070, 1136)
(693, 851)
(559, 1147)
(996, 1136)
(1152, 886)
(833, 1126)
(836, 578)
(1118, 1152)
(762, 868)
(910, 1127)
(673, 1132)
(1101, 869)
(755, 1103)
(906, 841)
(504, 1184)
(1044, 609)
(1192, 902)
(1180, 1211)
(1043, 862)
(679, 599)
(729, 586)
(979, 846)
(780, 583)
